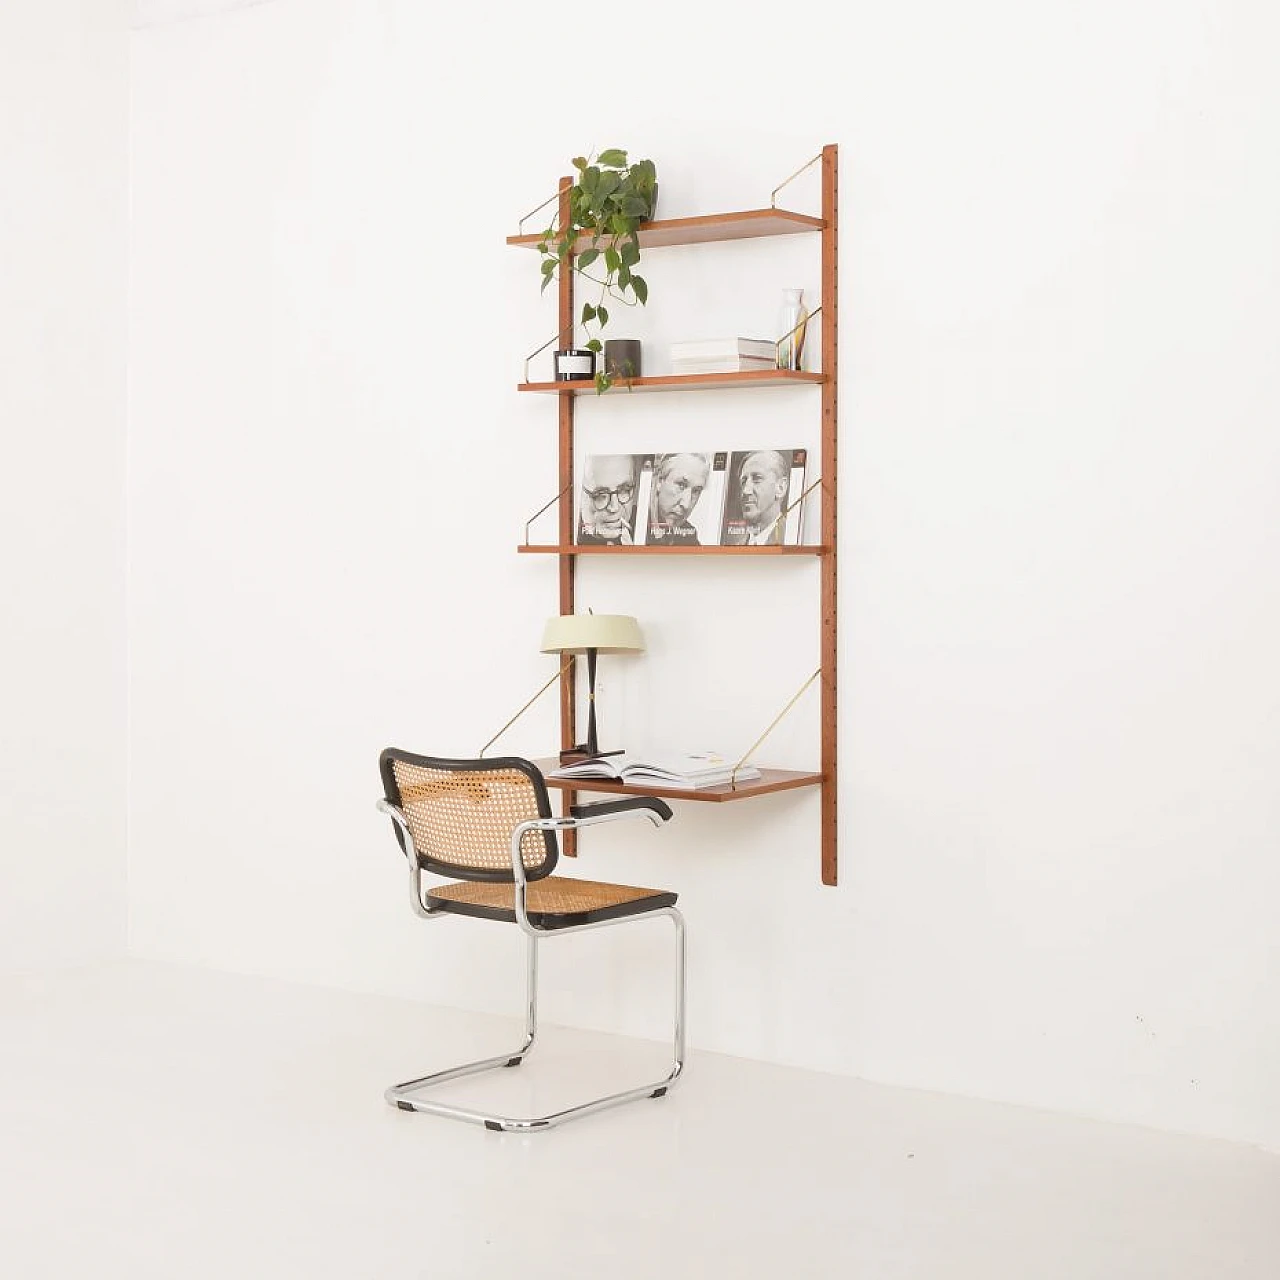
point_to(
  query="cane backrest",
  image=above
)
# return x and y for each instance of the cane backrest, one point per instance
(461, 813)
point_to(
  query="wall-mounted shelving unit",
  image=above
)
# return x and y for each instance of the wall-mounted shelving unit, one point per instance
(709, 229)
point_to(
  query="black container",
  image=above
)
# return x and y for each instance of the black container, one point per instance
(622, 357)
(575, 365)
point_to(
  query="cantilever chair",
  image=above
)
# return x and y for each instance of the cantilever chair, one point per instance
(489, 823)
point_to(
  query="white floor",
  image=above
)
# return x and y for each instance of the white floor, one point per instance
(165, 1122)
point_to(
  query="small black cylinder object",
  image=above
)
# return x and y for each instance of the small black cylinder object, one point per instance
(575, 364)
(622, 358)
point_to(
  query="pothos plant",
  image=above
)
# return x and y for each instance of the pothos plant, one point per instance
(609, 199)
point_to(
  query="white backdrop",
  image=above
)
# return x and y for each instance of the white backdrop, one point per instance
(63, 206)
(1059, 696)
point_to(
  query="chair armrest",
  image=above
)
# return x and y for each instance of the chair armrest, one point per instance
(610, 808)
(405, 838)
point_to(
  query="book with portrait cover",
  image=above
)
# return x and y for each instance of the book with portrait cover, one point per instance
(761, 484)
(686, 495)
(613, 491)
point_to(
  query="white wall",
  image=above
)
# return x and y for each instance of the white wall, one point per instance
(1060, 703)
(63, 210)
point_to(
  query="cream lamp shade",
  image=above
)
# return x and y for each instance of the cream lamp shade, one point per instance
(583, 632)
(591, 633)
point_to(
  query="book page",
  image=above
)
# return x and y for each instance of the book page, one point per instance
(794, 518)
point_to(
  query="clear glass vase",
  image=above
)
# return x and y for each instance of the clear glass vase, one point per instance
(792, 320)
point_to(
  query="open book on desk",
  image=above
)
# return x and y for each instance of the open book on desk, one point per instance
(690, 770)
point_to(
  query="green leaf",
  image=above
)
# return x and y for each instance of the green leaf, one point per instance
(612, 260)
(588, 312)
(640, 289)
(548, 266)
(630, 252)
(579, 162)
(587, 257)
(603, 316)
(594, 345)
(617, 159)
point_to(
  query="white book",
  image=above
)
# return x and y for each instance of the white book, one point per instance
(722, 364)
(721, 348)
(687, 770)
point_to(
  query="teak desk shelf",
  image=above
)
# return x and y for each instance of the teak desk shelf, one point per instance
(770, 780)
(709, 229)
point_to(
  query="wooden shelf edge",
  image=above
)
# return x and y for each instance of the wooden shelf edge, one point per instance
(682, 382)
(770, 780)
(747, 224)
(588, 549)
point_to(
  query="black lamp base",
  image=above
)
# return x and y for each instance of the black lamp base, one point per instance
(574, 755)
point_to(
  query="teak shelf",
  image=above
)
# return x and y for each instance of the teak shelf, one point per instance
(770, 780)
(587, 549)
(712, 228)
(682, 382)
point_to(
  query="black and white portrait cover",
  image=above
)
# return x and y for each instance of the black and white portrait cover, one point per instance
(614, 488)
(685, 498)
(760, 486)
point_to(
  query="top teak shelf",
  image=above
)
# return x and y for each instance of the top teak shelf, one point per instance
(747, 225)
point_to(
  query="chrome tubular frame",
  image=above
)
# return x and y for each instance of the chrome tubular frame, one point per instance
(402, 1095)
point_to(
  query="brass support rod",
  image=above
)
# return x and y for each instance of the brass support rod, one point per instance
(773, 523)
(540, 510)
(555, 337)
(564, 667)
(527, 216)
(773, 198)
(733, 779)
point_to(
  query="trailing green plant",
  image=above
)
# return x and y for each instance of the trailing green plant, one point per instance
(609, 199)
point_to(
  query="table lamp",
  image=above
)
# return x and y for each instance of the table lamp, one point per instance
(591, 633)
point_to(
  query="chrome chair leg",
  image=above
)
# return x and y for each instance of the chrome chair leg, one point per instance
(398, 1095)
(395, 1094)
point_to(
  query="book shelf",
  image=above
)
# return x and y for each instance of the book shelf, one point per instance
(683, 382)
(586, 549)
(710, 229)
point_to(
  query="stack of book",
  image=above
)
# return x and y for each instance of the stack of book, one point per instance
(723, 355)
